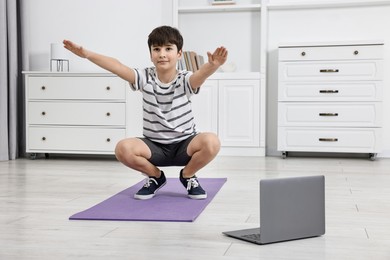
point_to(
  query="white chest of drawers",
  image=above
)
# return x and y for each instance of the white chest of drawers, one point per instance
(78, 113)
(330, 98)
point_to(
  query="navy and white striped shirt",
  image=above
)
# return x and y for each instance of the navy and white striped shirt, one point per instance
(167, 112)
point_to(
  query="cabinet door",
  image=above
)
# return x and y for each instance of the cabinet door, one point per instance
(239, 113)
(205, 107)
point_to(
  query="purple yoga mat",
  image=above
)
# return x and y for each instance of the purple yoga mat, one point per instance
(171, 203)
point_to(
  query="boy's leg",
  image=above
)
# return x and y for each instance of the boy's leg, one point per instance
(202, 149)
(134, 153)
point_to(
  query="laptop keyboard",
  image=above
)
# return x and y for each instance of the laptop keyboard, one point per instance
(254, 237)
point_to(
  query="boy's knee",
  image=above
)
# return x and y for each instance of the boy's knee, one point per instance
(120, 150)
(212, 143)
(128, 150)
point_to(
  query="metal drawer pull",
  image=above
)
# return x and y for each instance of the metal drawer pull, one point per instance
(43, 113)
(328, 139)
(43, 138)
(108, 140)
(328, 91)
(328, 114)
(108, 88)
(108, 114)
(43, 87)
(356, 52)
(329, 70)
(303, 53)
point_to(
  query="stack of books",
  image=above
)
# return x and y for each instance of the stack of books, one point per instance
(190, 61)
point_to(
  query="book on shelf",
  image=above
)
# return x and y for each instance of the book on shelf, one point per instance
(190, 61)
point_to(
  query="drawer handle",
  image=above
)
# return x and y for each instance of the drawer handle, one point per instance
(303, 53)
(108, 88)
(328, 114)
(108, 114)
(328, 139)
(43, 87)
(43, 113)
(329, 70)
(328, 91)
(108, 140)
(43, 138)
(356, 52)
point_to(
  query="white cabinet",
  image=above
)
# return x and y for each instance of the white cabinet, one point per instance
(230, 107)
(75, 113)
(88, 113)
(330, 98)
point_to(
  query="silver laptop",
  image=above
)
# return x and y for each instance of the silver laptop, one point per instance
(290, 208)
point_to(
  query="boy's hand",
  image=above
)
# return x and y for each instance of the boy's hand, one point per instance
(218, 57)
(76, 49)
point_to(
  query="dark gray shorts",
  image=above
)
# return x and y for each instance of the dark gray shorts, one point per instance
(169, 154)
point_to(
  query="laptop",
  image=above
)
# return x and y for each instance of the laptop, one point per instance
(290, 208)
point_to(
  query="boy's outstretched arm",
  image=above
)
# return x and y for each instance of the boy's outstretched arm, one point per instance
(105, 62)
(215, 60)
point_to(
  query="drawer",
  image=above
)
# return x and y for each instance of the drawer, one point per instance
(110, 88)
(307, 53)
(349, 114)
(62, 139)
(350, 140)
(331, 91)
(77, 113)
(331, 70)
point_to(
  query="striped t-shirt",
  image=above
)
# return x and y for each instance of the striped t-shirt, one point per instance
(167, 112)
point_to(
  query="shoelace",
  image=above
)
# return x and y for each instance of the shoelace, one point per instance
(192, 183)
(148, 181)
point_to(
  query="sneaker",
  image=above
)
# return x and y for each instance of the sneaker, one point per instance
(151, 186)
(193, 187)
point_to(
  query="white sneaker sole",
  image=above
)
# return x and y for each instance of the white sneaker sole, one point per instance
(198, 197)
(147, 197)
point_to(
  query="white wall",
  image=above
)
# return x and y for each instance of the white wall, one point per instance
(325, 24)
(117, 28)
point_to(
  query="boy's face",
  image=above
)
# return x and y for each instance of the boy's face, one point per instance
(165, 57)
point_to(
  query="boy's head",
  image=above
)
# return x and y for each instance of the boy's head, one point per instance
(164, 35)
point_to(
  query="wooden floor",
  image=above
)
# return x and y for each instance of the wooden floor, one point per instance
(38, 196)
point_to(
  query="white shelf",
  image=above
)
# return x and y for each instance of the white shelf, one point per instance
(325, 4)
(220, 8)
(70, 74)
(235, 75)
(334, 43)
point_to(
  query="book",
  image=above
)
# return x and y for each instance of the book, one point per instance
(190, 61)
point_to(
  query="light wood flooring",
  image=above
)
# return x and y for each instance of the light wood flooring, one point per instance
(38, 196)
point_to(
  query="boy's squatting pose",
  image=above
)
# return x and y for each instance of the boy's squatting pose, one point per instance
(170, 134)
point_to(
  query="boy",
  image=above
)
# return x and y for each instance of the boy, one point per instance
(170, 135)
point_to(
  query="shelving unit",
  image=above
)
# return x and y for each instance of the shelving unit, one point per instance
(203, 26)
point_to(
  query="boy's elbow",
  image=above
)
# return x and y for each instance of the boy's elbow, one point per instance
(196, 83)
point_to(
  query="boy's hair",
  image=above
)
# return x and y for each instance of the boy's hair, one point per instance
(165, 35)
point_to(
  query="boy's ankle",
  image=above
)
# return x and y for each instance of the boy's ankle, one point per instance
(183, 176)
